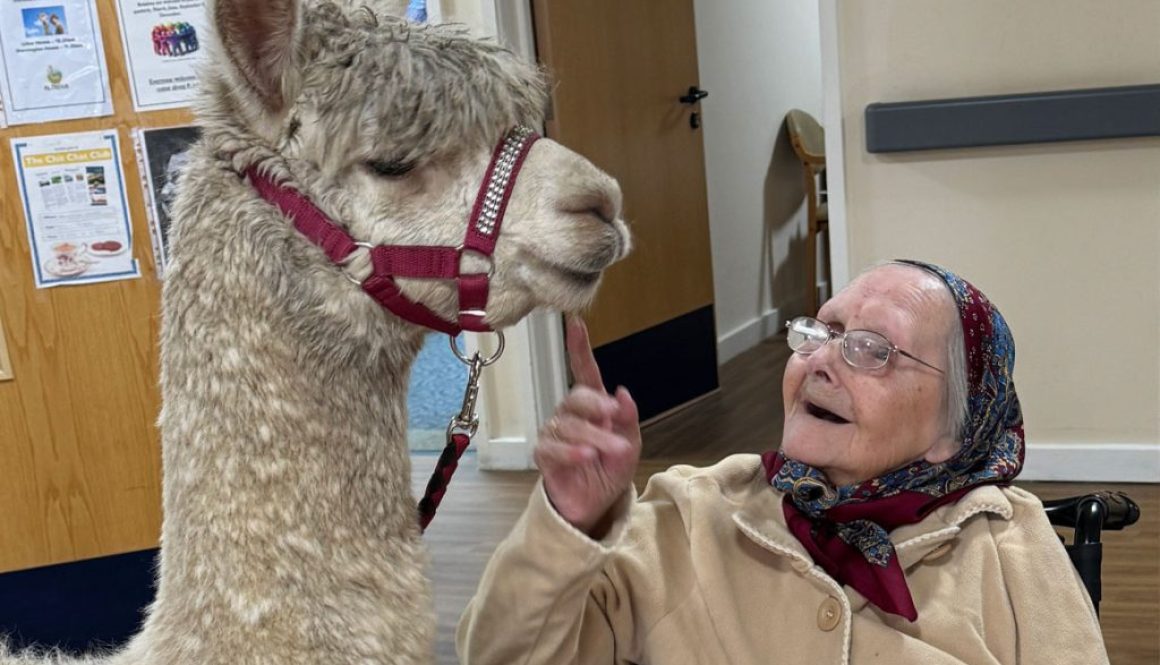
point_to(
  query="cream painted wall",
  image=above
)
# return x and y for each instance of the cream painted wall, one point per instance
(758, 59)
(1065, 238)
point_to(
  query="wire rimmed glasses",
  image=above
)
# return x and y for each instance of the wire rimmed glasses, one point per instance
(863, 349)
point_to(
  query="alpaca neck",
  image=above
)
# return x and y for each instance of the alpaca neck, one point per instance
(287, 476)
(319, 455)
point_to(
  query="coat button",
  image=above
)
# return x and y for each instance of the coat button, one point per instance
(801, 565)
(829, 614)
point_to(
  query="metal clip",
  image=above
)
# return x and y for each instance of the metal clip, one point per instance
(467, 419)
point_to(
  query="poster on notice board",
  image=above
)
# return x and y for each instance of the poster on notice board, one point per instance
(52, 62)
(77, 218)
(163, 47)
(162, 156)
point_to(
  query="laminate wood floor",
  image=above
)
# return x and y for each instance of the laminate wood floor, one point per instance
(745, 416)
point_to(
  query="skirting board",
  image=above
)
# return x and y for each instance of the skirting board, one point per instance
(512, 453)
(1092, 462)
(745, 337)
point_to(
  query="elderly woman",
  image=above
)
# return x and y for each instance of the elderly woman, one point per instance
(883, 530)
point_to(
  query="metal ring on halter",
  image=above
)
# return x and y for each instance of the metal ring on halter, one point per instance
(350, 278)
(461, 250)
(489, 361)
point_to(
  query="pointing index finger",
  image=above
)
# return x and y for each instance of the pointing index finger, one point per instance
(584, 368)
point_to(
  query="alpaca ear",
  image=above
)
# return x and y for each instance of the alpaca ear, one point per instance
(259, 37)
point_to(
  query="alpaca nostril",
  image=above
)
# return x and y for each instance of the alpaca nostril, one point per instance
(602, 214)
(594, 203)
(599, 197)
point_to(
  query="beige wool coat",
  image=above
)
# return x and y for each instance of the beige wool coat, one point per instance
(701, 569)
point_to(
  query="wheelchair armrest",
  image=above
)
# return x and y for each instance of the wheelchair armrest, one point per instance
(1091, 513)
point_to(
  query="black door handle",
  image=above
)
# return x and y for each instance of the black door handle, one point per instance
(694, 95)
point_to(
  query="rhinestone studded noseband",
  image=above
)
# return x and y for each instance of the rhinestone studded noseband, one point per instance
(496, 190)
(390, 262)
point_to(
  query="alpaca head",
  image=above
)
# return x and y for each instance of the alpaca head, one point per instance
(390, 127)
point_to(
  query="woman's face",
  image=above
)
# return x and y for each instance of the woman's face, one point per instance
(892, 415)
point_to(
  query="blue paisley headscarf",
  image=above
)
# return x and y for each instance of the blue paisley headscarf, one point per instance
(846, 528)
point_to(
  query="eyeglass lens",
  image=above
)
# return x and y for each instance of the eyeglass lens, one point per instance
(860, 348)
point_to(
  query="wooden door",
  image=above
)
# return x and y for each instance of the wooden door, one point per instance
(619, 69)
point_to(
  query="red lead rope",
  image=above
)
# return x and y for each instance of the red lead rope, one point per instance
(391, 261)
(445, 468)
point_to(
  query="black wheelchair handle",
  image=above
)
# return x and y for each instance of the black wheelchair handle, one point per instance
(1089, 514)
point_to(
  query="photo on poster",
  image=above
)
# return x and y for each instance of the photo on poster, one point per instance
(47, 21)
(75, 209)
(163, 155)
(163, 46)
(52, 61)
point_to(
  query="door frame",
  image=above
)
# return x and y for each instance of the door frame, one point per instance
(535, 377)
(834, 121)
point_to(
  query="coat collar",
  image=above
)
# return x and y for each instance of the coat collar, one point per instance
(761, 518)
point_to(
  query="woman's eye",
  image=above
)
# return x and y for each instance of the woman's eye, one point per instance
(389, 169)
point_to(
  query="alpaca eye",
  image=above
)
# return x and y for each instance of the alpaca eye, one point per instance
(390, 169)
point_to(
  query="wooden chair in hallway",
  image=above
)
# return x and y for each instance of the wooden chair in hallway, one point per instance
(809, 142)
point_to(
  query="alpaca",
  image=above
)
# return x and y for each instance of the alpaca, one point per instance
(290, 532)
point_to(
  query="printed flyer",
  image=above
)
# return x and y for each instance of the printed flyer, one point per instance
(75, 210)
(163, 155)
(52, 63)
(162, 40)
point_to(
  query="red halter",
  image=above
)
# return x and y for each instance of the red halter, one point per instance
(392, 261)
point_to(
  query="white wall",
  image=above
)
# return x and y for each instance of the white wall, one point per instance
(1065, 238)
(758, 59)
(479, 15)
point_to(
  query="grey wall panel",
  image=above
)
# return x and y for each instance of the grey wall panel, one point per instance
(1044, 117)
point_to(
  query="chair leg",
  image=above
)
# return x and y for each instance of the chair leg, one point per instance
(826, 258)
(812, 268)
(811, 244)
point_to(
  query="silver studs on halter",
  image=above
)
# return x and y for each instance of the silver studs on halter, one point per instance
(500, 176)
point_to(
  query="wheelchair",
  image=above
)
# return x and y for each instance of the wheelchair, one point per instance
(1087, 516)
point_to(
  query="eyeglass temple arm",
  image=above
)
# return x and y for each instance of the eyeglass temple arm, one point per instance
(917, 359)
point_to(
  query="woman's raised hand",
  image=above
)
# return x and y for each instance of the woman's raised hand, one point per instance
(588, 451)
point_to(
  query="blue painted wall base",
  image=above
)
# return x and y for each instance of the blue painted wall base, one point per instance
(79, 606)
